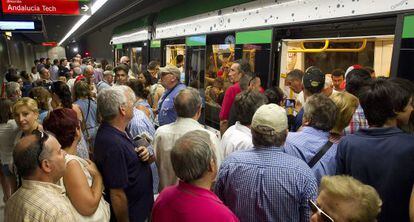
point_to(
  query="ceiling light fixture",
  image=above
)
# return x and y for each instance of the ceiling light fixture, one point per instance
(95, 7)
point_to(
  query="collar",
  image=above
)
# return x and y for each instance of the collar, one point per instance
(182, 120)
(197, 191)
(268, 149)
(176, 86)
(39, 185)
(315, 132)
(109, 127)
(379, 131)
(240, 127)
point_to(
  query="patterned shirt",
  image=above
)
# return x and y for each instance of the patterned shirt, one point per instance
(39, 201)
(266, 184)
(306, 144)
(140, 124)
(358, 121)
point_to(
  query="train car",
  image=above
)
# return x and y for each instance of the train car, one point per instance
(276, 37)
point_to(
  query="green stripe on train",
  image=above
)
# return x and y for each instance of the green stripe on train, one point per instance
(254, 37)
(408, 28)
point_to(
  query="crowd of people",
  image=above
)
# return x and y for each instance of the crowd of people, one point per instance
(87, 141)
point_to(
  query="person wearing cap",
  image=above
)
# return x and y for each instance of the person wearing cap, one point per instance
(313, 83)
(264, 183)
(170, 79)
(318, 119)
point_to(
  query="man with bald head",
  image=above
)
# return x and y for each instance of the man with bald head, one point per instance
(40, 162)
(187, 103)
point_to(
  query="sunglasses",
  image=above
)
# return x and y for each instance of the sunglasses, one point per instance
(315, 209)
(42, 139)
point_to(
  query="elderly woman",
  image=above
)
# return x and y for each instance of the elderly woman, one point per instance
(62, 98)
(43, 99)
(88, 108)
(8, 131)
(347, 104)
(82, 180)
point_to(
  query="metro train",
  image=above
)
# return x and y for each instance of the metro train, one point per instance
(274, 37)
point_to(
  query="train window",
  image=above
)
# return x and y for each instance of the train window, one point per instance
(328, 61)
(219, 60)
(330, 54)
(175, 55)
(136, 59)
(258, 55)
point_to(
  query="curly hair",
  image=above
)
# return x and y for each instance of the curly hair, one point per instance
(63, 123)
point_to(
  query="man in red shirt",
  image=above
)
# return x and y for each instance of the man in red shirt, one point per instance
(195, 163)
(237, 71)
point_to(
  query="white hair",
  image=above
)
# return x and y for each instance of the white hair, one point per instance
(111, 99)
(328, 82)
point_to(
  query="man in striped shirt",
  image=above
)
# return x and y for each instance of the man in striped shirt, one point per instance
(264, 183)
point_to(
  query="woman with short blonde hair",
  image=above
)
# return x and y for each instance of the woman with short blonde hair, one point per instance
(26, 112)
(347, 104)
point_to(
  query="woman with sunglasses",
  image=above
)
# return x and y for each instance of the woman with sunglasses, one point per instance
(343, 198)
(82, 180)
(62, 98)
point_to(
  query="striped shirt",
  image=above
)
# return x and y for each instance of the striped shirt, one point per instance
(266, 184)
(358, 121)
(39, 201)
(140, 124)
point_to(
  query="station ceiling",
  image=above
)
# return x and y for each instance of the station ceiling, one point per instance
(119, 11)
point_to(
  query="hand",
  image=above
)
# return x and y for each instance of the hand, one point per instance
(93, 170)
(143, 153)
(298, 106)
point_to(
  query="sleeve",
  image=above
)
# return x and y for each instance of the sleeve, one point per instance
(339, 158)
(219, 187)
(227, 102)
(310, 192)
(115, 169)
(217, 150)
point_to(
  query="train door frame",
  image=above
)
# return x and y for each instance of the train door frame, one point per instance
(146, 52)
(331, 29)
(400, 47)
(170, 41)
(257, 41)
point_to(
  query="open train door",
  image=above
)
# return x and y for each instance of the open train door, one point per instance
(403, 56)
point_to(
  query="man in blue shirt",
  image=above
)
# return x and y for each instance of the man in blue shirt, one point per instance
(125, 169)
(382, 155)
(264, 183)
(170, 79)
(318, 119)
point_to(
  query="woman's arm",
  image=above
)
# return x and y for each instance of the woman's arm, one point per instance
(85, 199)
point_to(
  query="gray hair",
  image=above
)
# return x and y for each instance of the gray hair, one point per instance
(77, 71)
(12, 88)
(187, 102)
(108, 73)
(321, 112)
(328, 82)
(191, 155)
(89, 69)
(111, 99)
(267, 140)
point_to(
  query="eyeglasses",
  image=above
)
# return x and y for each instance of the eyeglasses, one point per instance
(315, 209)
(42, 139)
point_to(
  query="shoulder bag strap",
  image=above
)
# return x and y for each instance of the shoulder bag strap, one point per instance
(320, 154)
(160, 104)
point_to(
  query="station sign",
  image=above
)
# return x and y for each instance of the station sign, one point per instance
(52, 44)
(46, 7)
